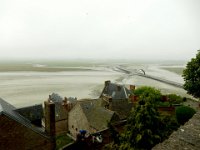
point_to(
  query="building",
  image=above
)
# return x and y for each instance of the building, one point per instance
(88, 115)
(116, 97)
(32, 113)
(21, 128)
(115, 91)
(62, 108)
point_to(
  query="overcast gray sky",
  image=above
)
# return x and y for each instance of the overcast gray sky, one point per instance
(125, 29)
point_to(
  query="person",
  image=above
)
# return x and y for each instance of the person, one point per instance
(82, 132)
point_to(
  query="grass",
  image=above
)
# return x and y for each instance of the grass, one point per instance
(62, 140)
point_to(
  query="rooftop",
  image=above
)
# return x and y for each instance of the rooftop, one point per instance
(96, 115)
(31, 112)
(10, 111)
(60, 112)
(116, 91)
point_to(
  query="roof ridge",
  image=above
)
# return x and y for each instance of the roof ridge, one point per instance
(11, 113)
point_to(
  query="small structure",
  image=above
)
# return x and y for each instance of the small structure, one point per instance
(115, 91)
(21, 129)
(62, 108)
(116, 97)
(88, 115)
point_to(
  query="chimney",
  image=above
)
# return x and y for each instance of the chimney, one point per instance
(132, 87)
(49, 112)
(110, 104)
(107, 83)
(118, 87)
(66, 109)
(64, 103)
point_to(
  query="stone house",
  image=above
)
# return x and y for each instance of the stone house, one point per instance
(116, 97)
(88, 115)
(21, 128)
(62, 107)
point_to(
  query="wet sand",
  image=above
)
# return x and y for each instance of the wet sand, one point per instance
(22, 88)
(30, 88)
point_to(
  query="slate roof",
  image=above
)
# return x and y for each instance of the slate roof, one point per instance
(9, 111)
(31, 112)
(116, 91)
(186, 137)
(96, 115)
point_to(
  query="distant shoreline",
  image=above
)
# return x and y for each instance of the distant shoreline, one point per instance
(177, 70)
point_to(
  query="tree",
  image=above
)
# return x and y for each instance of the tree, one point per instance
(148, 92)
(145, 127)
(174, 99)
(191, 76)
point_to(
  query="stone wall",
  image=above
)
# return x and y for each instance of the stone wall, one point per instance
(61, 127)
(78, 120)
(187, 137)
(14, 136)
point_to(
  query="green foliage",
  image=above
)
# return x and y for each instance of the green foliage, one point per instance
(144, 128)
(171, 125)
(184, 113)
(174, 99)
(148, 92)
(163, 104)
(191, 76)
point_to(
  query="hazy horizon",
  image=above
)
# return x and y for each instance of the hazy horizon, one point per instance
(93, 60)
(137, 30)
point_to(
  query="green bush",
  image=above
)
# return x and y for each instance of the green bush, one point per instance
(163, 104)
(175, 99)
(148, 92)
(184, 113)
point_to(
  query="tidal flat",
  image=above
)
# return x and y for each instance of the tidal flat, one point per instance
(30, 82)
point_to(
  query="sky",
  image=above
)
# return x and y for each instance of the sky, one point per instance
(108, 29)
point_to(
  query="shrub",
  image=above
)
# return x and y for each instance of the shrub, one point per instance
(163, 104)
(148, 92)
(175, 99)
(184, 113)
